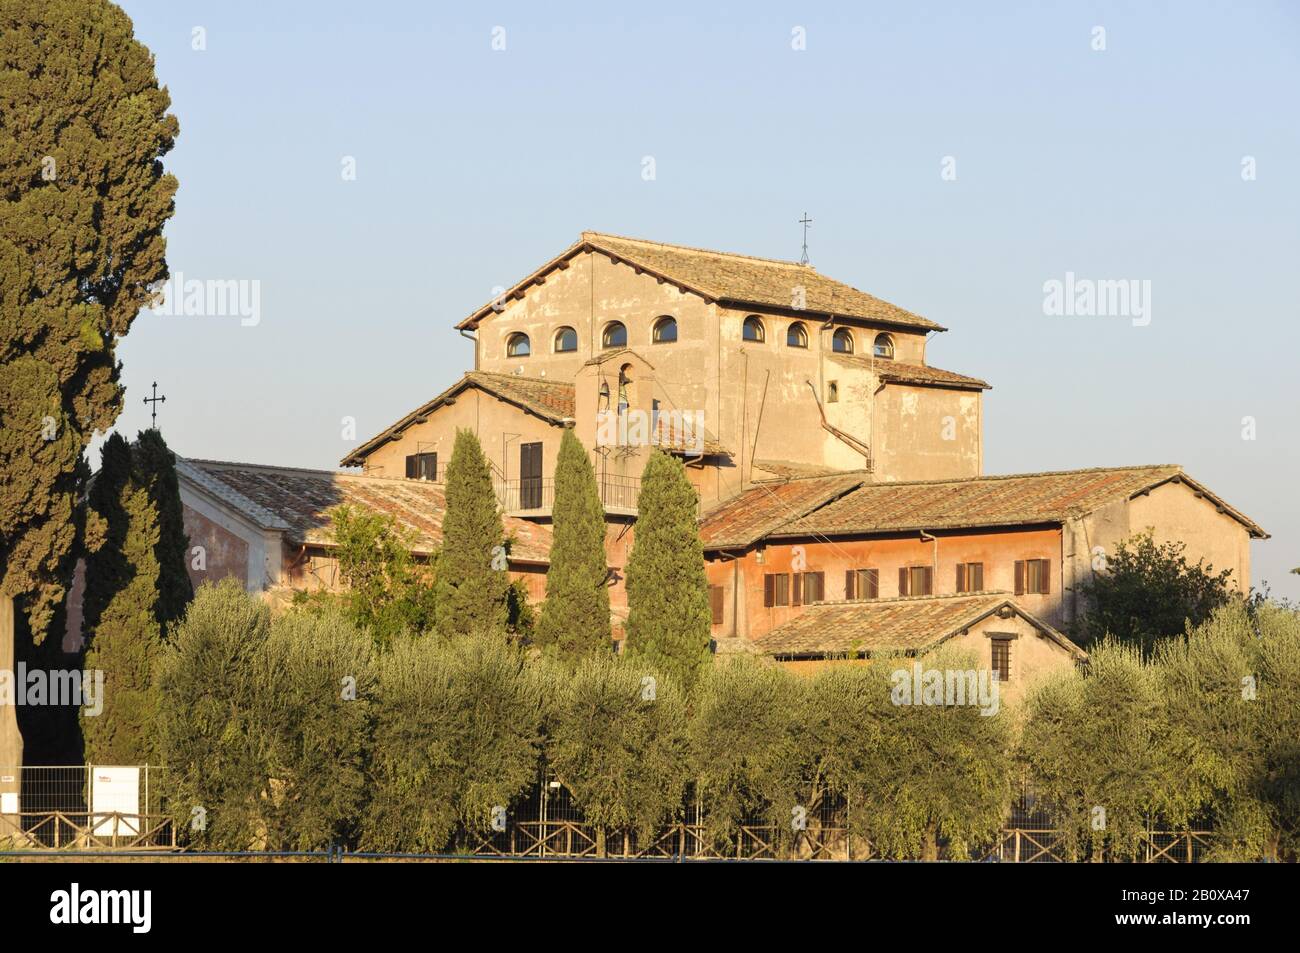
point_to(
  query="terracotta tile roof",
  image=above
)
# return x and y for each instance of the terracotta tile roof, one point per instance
(993, 501)
(904, 373)
(296, 501)
(549, 399)
(913, 625)
(767, 507)
(789, 470)
(736, 280)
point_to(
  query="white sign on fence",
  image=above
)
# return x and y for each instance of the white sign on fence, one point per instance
(114, 789)
(9, 802)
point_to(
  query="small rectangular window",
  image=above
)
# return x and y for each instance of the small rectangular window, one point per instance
(810, 587)
(422, 466)
(915, 581)
(1002, 659)
(970, 577)
(832, 392)
(1033, 576)
(862, 584)
(776, 589)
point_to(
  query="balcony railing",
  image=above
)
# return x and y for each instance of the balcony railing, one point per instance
(537, 495)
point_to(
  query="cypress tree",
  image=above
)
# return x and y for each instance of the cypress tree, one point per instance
(83, 202)
(156, 468)
(121, 621)
(669, 620)
(575, 616)
(472, 583)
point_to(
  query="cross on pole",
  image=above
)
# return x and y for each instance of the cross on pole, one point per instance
(805, 222)
(155, 400)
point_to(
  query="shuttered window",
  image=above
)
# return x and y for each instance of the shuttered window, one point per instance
(915, 581)
(970, 577)
(422, 466)
(862, 584)
(809, 587)
(776, 589)
(715, 603)
(1033, 576)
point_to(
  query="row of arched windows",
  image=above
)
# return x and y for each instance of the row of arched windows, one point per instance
(796, 335)
(614, 335)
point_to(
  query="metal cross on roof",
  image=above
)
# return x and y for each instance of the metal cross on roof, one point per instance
(155, 400)
(805, 222)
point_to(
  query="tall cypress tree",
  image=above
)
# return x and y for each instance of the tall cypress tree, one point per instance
(121, 621)
(575, 616)
(472, 581)
(155, 466)
(668, 620)
(83, 201)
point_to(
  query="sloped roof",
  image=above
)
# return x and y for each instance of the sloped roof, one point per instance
(296, 502)
(549, 399)
(769, 506)
(734, 280)
(905, 373)
(1015, 499)
(913, 624)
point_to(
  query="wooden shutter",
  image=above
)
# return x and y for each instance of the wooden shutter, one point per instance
(1020, 577)
(410, 466)
(903, 577)
(715, 600)
(871, 584)
(927, 575)
(798, 590)
(961, 577)
(1046, 576)
(769, 590)
(850, 584)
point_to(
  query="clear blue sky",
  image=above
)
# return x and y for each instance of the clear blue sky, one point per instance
(475, 165)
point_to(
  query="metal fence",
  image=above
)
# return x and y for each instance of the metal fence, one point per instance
(57, 810)
(58, 813)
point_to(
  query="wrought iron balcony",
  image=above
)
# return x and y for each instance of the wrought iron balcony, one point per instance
(536, 496)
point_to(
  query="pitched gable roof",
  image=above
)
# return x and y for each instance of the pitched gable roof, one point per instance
(297, 502)
(904, 373)
(550, 400)
(731, 279)
(769, 506)
(913, 625)
(1015, 499)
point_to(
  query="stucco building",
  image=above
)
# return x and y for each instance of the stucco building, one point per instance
(843, 505)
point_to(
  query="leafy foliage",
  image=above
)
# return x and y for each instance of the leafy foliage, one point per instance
(457, 734)
(617, 740)
(669, 620)
(472, 582)
(1150, 591)
(748, 748)
(575, 616)
(390, 593)
(83, 202)
(123, 635)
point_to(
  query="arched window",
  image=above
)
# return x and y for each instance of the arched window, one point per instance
(518, 346)
(797, 336)
(665, 330)
(566, 339)
(753, 330)
(842, 341)
(884, 346)
(615, 335)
